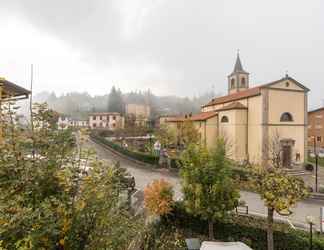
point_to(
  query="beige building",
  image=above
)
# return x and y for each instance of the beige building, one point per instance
(139, 112)
(258, 121)
(106, 120)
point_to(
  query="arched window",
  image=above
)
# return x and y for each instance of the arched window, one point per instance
(243, 82)
(224, 119)
(286, 117)
(232, 83)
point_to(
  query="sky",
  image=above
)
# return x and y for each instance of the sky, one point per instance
(173, 47)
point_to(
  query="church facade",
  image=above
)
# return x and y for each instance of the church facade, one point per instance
(259, 123)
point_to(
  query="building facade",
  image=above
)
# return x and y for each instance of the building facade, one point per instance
(106, 120)
(140, 113)
(259, 120)
(316, 128)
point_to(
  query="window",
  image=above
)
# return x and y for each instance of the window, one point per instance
(94, 125)
(114, 118)
(318, 138)
(287, 84)
(232, 83)
(100, 118)
(94, 117)
(243, 82)
(286, 117)
(224, 119)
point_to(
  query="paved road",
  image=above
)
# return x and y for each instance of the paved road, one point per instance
(144, 176)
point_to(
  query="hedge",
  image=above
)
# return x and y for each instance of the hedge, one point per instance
(146, 158)
(250, 230)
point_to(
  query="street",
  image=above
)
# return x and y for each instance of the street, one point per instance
(143, 176)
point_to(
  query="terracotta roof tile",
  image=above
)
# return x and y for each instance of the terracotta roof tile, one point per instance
(234, 105)
(236, 96)
(196, 117)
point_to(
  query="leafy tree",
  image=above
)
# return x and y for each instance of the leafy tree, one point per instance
(165, 135)
(158, 197)
(279, 191)
(206, 181)
(115, 101)
(188, 133)
(54, 195)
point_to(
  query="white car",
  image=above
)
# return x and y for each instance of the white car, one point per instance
(211, 245)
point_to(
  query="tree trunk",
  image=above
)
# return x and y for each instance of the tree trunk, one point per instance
(270, 228)
(211, 230)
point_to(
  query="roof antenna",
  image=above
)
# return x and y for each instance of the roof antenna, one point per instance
(287, 74)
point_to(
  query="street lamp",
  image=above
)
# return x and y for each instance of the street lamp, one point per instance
(316, 165)
(310, 220)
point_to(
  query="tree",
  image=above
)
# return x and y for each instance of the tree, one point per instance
(206, 181)
(279, 191)
(55, 195)
(115, 101)
(188, 133)
(158, 197)
(165, 135)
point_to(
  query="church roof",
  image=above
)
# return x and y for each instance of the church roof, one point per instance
(236, 96)
(195, 117)
(249, 92)
(234, 105)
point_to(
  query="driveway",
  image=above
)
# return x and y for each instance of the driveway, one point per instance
(143, 176)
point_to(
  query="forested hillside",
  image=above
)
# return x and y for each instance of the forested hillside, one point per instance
(78, 105)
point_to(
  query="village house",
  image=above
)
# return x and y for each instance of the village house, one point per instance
(255, 119)
(10, 92)
(316, 128)
(106, 120)
(65, 122)
(140, 113)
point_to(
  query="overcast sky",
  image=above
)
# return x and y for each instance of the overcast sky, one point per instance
(181, 47)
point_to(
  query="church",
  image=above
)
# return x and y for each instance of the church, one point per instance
(260, 123)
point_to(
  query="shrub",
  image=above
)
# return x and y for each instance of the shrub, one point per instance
(146, 158)
(321, 189)
(250, 230)
(158, 197)
(308, 166)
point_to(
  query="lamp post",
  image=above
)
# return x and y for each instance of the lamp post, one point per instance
(310, 220)
(316, 165)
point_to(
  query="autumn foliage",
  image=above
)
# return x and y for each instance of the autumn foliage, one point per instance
(158, 197)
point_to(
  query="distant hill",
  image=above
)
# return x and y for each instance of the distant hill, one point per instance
(79, 105)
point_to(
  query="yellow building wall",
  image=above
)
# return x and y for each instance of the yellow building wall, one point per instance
(294, 103)
(286, 101)
(211, 132)
(254, 136)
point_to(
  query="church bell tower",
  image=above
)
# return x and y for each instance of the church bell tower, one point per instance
(238, 80)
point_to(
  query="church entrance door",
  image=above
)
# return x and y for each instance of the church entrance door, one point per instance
(286, 156)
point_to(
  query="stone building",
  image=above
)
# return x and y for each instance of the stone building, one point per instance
(316, 127)
(106, 120)
(256, 121)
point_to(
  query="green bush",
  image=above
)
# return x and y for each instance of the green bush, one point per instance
(146, 158)
(250, 230)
